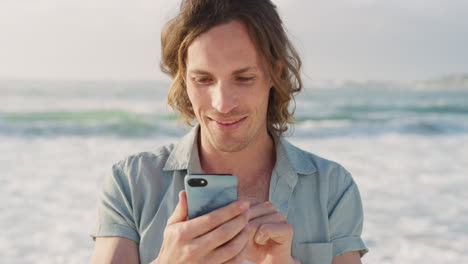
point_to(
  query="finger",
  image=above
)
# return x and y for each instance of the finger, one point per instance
(279, 233)
(232, 251)
(262, 209)
(223, 233)
(181, 211)
(254, 201)
(205, 223)
(274, 218)
(239, 258)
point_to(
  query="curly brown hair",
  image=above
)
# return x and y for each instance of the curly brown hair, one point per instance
(268, 35)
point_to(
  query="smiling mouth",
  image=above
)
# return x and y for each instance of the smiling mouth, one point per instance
(227, 123)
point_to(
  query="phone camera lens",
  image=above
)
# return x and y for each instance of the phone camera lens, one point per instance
(198, 182)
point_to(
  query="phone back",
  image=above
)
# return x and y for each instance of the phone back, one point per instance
(219, 191)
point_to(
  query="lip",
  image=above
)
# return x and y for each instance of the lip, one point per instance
(225, 123)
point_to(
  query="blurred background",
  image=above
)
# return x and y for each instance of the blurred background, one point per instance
(386, 95)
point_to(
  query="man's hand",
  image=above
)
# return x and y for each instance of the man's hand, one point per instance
(218, 237)
(271, 240)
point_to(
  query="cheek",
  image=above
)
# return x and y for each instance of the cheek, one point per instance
(258, 101)
(262, 96)
(265, 101)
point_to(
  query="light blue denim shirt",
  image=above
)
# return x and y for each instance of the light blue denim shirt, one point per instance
(319, 198)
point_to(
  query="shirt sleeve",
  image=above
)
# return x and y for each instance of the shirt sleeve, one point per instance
(346, 215)
(115, 209)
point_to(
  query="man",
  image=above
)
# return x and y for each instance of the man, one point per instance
(235, 73)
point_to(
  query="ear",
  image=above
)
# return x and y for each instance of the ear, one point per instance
(278, 70)
(279, 67)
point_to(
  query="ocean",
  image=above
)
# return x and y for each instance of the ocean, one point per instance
(405, 145)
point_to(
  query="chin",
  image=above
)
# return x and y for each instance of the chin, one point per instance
(230, 145)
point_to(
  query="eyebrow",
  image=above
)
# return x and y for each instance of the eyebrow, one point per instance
(245, 69)
(239, 71)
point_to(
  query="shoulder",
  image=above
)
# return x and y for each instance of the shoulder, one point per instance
(140, 176)
(326, 169)
(333, 179)
(136, 163)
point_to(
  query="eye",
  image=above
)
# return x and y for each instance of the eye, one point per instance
(245, 79)
(202, 79)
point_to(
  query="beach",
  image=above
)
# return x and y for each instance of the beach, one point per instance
(405, 147)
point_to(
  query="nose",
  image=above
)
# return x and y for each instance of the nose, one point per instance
(224, 98)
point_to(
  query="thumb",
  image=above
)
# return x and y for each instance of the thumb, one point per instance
(180, 212)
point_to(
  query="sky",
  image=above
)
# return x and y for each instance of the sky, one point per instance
(339, 40)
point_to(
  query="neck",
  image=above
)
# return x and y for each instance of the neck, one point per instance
(257, 159)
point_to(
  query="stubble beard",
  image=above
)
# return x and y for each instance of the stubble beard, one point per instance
(218, 142)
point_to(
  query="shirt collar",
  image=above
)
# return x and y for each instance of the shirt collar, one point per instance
(289, 158)
(184, 156)
(296, 157)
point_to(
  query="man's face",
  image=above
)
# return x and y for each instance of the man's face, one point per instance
(228, 87)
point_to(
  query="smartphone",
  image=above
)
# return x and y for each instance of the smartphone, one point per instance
(208, 192)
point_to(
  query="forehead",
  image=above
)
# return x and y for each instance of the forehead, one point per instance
(224, 47)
